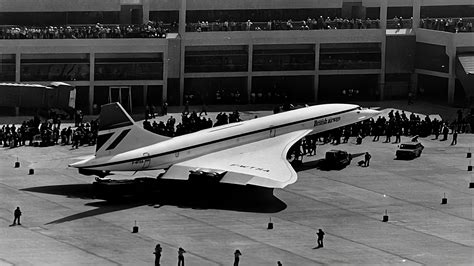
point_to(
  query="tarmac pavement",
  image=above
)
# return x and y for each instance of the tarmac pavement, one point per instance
(65, 223)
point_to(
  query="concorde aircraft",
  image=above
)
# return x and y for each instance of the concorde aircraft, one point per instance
(252, 152)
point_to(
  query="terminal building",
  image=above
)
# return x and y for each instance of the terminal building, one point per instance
(240, 52)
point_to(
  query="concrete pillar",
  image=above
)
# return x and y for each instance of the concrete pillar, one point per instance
(413, 82)
(416, 13)
(182, 18)
(451, 52)
(181, 74)
(381, 87)
(451, 88)
(17, 67)
(317, 49)
(91, 81)
(250, 70)
(146, 10)
(381, 83)
(383, 14)
(145, 95)
(182, 31)
(17, 76)
(164, 92)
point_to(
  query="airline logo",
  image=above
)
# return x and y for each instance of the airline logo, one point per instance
(325, 121)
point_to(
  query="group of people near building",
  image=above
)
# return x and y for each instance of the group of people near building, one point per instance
(97, 31)
(49, 132)
(190, 122)
(35, 132)
(319, 23)
(391, 129)
(447, 24)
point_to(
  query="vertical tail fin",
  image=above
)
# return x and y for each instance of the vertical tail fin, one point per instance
(119, 133)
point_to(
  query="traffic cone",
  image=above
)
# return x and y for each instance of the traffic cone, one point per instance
(444, 200)
(135, 228)
(385, 217)
(270, 224)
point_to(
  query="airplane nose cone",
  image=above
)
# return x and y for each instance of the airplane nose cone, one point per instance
(372, 112)
(368, 113)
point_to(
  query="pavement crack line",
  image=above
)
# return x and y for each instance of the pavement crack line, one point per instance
(353, 241)
(141, 236)
(245, 236)
(399, 199)
(371, 218)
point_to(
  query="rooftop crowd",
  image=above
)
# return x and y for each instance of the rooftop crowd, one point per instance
(97, 31)
(319, 23)
(448, 24)
(159, 29)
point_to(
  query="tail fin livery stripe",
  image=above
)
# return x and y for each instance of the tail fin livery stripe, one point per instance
(118, 139)
(102, 139)
(118, 132)
(113, 116)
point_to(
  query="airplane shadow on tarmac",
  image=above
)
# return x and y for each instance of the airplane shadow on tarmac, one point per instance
(117, 196)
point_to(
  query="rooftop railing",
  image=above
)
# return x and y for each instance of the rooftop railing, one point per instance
(455, 25)
(95, 31)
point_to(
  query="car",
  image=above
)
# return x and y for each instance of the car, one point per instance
(409, 150)
(337, 159)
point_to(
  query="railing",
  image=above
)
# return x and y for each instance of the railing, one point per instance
(96, 31)
(455, 25)
(399, 23)
(283, 25)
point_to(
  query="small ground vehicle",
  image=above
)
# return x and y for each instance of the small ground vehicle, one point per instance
(409, 150)
(337, 159)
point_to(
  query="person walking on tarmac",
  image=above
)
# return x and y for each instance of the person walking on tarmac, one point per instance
(320, 234)
(455, 138)
(367, 159)
(16, 214)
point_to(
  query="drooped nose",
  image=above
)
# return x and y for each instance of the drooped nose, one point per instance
(368, 113)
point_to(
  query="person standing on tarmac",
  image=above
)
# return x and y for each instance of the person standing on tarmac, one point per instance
(157, 254)
(16, 214)
(455, 138)
(320, 235)
(181, 252)
(367, 157)
(237, 255)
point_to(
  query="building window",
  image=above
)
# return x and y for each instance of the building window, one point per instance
(350, 56)
(216, 59)
(7, 67)
(54, 67)
(431, 57)
(127, 66)
(283, 57)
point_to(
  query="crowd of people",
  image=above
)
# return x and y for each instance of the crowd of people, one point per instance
(49, 132)
(97, 31)
(391, 129)
(447, 24)
(35, 132)
(319, 23)
(190, 122)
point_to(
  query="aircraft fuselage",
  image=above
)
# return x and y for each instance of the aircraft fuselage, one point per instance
(162, 155)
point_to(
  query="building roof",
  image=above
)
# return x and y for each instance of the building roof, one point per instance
(467, 62)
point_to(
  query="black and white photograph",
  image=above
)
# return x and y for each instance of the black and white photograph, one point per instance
(236, 132)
